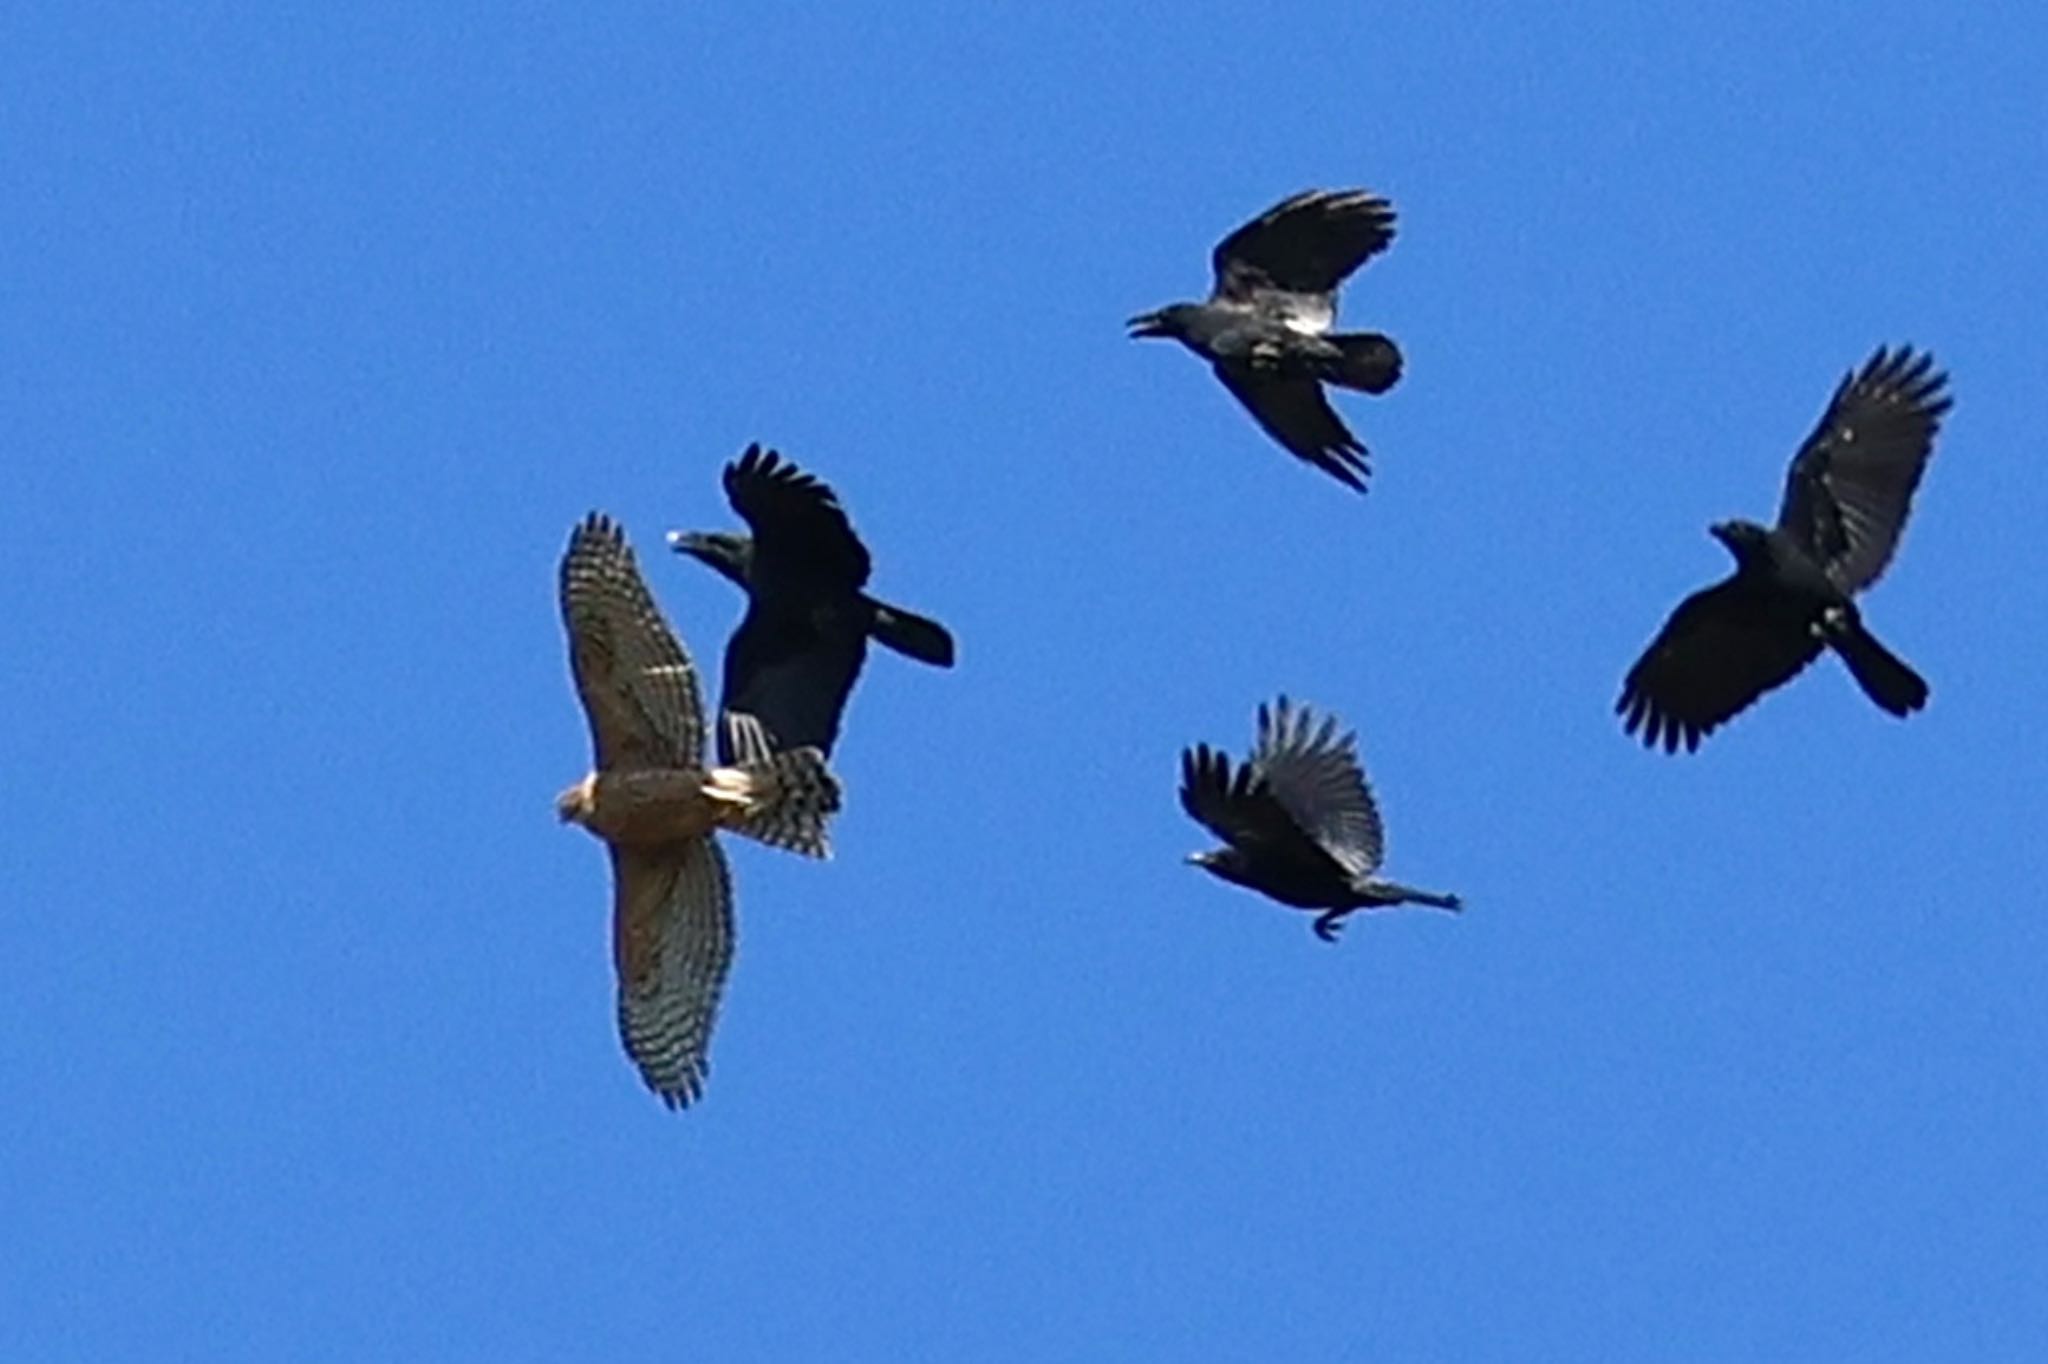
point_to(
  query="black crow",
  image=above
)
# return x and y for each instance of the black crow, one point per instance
(1266, 326)
(792, 662)
(1298, 818)
(1846, 499)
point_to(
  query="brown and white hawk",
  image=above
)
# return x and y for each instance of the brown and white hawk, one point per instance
(656, 806)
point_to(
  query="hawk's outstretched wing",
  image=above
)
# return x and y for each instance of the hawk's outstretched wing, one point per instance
(1290, 259)
(1293, 411)
(1316, 778)
(1851, 484)
(636, 683)
(1720, 650)
(672, 943)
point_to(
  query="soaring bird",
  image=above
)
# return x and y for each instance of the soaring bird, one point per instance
(792, 662)
(1846, 499)
(1297, 819)
(655, 805)
(1267, 326)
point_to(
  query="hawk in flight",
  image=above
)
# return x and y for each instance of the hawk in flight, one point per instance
(792, 662)
(1268, 324)
(656, 805)
(1791, 595)
(1297, 819)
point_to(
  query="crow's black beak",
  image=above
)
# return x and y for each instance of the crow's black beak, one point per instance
(1147, 324)
(686, 542)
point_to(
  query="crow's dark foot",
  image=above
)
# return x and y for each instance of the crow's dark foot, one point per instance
(1326, 925)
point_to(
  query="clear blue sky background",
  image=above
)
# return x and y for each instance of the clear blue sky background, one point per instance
(318, 330)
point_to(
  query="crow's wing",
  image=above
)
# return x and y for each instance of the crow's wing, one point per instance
(1290, 259)
(793, 661)
(1294, 411)
(1721, 649)
(1851, 484)
(1315, 776)
(1240, 809)
(801, 533)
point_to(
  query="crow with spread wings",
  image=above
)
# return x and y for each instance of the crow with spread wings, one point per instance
(1297, 819)
(1791, 595)
(793, 660)
(1267, 326)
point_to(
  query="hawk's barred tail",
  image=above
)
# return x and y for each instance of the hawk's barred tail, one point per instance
(797, 793)
(803, 795)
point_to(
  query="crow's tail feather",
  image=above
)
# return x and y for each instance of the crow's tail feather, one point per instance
(1884, 676)
(1434, 899)
(1371, 363)
(913, 636)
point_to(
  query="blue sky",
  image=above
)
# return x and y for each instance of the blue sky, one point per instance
(322, 328)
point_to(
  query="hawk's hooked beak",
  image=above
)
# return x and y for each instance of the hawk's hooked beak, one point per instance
(573, 804)
(1200, 859)
(1147, 324)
